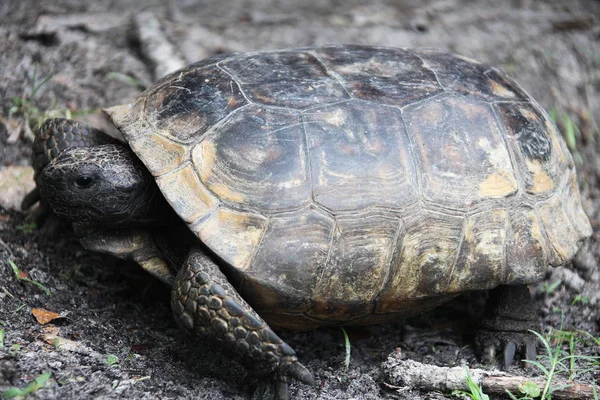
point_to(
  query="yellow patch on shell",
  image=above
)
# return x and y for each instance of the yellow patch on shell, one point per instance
(531, 116)
(159, 154)
(500, 90)
(542, 183)
(497, 184)
(186, 194)
(500, 183)
(233, 236)
(224, 192)
(204, 156)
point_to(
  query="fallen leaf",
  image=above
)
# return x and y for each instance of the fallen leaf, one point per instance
(44, 316)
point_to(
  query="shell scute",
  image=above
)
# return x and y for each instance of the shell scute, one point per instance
(462, 155)
(192, 101)
(540, 156)
(386, 76)
(284, 271)
(294, 79)
(481, 261)
(258, 159)
(233, 235)
(526, 248)
(359, 157)
(186, 194)
(356, 269)
(471, 78)
(427, 254)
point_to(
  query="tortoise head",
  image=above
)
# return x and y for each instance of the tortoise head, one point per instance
(89, 177)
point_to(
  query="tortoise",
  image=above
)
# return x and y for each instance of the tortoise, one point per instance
(335, 185)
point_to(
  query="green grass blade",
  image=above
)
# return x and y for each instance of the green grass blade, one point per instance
(348, 350)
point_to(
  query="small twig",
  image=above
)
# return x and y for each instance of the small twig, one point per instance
(155, 46)
(430, 377)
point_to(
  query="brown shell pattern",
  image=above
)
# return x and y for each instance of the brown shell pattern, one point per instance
(354, 184)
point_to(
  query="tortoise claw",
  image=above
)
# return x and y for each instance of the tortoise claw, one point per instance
(509, 353)
(281, 390)
(299, 372)
(488, 354)
(277, 389)
(530, 351)
(513, 344)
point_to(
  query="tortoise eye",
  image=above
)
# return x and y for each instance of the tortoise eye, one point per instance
(84, 182)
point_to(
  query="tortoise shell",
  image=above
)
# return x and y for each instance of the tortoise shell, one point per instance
(355, 184)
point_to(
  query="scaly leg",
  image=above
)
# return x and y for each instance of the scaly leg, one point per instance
(206, 304)
(130, 244)
(510, 314)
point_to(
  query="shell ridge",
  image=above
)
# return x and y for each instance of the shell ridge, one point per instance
(329, 251)
(506, 140)
(234, 78)
(461, 240)
(414, 159)
(426, 66)
(394, 258)
(331, 72)
(307, 157)
(554, 197)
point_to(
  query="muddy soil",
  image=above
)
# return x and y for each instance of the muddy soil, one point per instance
(116, 337)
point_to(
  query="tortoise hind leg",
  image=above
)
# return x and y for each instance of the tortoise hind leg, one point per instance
(206, 304)
(509, 315)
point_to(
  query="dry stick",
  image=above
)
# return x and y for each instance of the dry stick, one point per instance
(155, 46)
(409, 373)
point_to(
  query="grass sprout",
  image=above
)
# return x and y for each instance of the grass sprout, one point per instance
(559, 357)
(37, 383)
(23, 106)
(33, 116)
(21, 277)
(348, 350)
(475, 391)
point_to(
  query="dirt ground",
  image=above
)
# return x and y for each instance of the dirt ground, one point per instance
(95, 57)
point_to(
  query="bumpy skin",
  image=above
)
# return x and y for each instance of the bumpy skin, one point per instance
(58, 134)
(205, 304)
(54, 136)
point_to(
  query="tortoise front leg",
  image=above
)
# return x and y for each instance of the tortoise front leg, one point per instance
(206, 304)
(129, 244)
